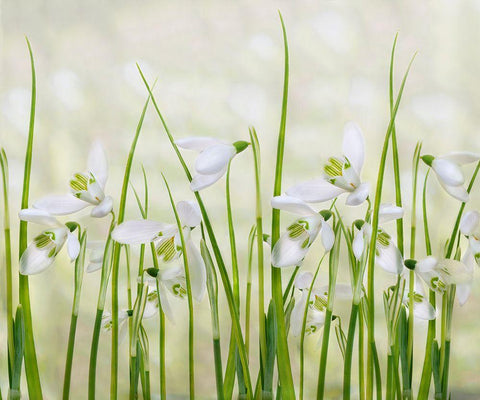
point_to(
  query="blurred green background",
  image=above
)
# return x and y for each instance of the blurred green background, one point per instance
(219, 66)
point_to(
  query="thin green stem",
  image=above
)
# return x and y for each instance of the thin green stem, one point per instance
(349, 352)
(191, 365)
(79, 268)
(31, 364)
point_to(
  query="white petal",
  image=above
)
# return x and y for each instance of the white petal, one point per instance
(167, 310)
(196, 143)
(359, 195)
(296, 317)
(469, 222)
(457, 192)
(93, 266)
(138, 231)
(200, 181)
(198, 274)
(327, 235)
(461, 157)
(97, 163)
(390, 258)
(292, 204)
(35, 260)
(60, 204)
(103, 208)
(73, 246)
(288, 252)
(390, 212)
(38, 217)
(358, 244)
(426, 265)
(303, 280)
(463, 292)
(315, 191)
(189, 213)
(455, 272)
(354, 146)
(214, 159)
(424, 310)
(448, 172)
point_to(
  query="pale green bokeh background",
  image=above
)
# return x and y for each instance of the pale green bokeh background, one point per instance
(219, 67)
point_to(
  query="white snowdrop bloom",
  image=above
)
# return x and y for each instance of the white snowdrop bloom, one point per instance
(470, 227)
(341, 174)
(438, 274)
(388, 255)
(293, 245)
(87, 189)
(422, 308)
(96, 249)
(41, 253)
(213, 159)
(448, 172)
(168, 243)
(107, 323)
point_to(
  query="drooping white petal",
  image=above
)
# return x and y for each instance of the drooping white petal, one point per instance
(93, 266)
(354, 146)
(327, 235)
(424, 310)
(73, 246)
(315, 191)
(292, 204)
(138, 231)
(359, 195)
(457, 192)
(469, 222)
(389, 212)
(197, 143)
(463, 292)
(288, 252)
(298, 311)
(200, 182)
(103, 208)
(214, 158)
(189, 213)
(36, 216)
(455, 272)
(167, 310)
(426, 265)
(97, 163)
(60, 204)
(349, 179)
(198, 274)
(358, 244)
(303, 280)
(35, 260)
(448, 172)
(389, 258)
(461, 157)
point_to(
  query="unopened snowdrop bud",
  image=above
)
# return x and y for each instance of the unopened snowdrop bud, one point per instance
(448, 172)
(469, 222)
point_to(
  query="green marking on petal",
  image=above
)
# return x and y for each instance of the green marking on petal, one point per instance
(79, 182)
(167, 249)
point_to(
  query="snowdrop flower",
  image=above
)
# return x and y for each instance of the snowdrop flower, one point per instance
(293, 245)
(388, 255)
(123, 316)
(213, 160)
(438, 274)
(422, 308)
(168, 243)
(87, 189)
(41, 253)
(341, 174)
(469, 226)
(96, 249)
(448, 171)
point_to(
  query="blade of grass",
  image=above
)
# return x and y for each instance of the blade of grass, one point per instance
(31, 364)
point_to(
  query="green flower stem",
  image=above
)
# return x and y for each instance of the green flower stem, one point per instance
(259, 231)
(31, 364)
(8, 264)
(371, 258)
(426, 378)
(79, 268)
(349, 351)
(116, 258)
(304, 326)
(361, 354)
(216, 250)
(332, 280)
(283, 357)
(248, 296)
(189, 297)
(161, 332)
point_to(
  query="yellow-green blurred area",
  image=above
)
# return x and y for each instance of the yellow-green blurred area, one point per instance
(219, 66)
